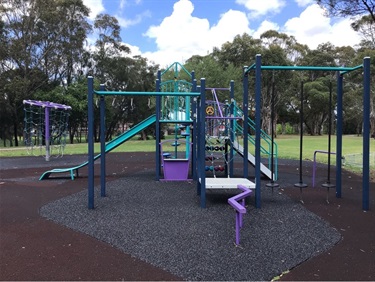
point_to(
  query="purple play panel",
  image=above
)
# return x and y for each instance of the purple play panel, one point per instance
(175, 167)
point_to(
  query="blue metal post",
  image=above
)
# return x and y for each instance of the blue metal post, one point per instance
(157, 128)
(231, 135)
(258, 95)
(196, 135)
(366, 134)
(102, 145)
(201, 142)
(339, 118)
(90, 128)
(245, 110)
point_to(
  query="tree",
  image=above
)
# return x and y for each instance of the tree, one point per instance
(316, 104)
(365, 26)
(348, 8)
(34, 42)
(239, 52)
(108, 47)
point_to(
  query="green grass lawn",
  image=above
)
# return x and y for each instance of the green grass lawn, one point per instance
(288, 147)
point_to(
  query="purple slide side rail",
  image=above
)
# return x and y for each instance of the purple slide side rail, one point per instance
(238, 203)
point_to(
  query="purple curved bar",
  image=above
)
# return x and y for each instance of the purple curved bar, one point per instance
(239, 207)
(47, 104)
(314, 163)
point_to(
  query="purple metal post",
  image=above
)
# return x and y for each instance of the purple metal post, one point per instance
(46, 128)
(314, 164)
(240, 208)
(217, 101)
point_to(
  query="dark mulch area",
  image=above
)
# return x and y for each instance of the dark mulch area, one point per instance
(33, 248)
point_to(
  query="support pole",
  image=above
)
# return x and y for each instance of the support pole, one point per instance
(339, 118)
(201, 146)
(272, 184)
(300, 184)
(258, 96)
(231, 135)
(102, 145)
(47, 133)
(328, 183)
(366, 134)
(90, 128)
(245, 109)
(157, 128)
(194, 128)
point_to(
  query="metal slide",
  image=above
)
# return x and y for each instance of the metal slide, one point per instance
(114, 143)
(265, 170)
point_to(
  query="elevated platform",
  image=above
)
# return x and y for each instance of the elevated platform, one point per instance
(227, 183)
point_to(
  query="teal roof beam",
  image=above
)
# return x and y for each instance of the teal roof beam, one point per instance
(176, 64)
(250, 68)
(355, 68)
(306, 68)
(130, 93)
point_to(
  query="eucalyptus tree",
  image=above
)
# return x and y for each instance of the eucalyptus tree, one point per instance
(276, 85)
(354, 84)
(240, 52)
(36, 37)
(294, 50)
(75, 95)
(348, 8)
(216, 75)
(316, 104)
(108, 47)
(365, 26)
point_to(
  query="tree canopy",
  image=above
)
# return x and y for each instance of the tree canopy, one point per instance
(44, 55)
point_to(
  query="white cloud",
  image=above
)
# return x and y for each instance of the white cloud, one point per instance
(181, 35)
(96, 7)
(122, 4)
(265, 26)
(312, 28)
(304, 3)
(259, 8)
(125, 22)
(134, 50)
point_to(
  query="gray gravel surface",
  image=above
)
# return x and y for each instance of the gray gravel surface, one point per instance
(162, 224)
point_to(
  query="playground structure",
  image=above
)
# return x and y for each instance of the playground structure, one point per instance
(45, 127)
(184, 104)
(341, 71)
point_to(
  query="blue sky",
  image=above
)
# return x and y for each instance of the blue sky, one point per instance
(166, 31)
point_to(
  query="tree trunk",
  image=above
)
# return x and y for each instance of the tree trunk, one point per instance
(15, 131)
